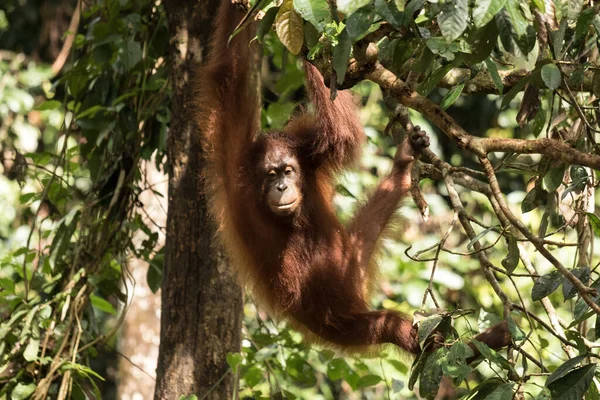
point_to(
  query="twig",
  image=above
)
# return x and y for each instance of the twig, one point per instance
(480, 146)
(429, 289)
(548, 306)
(583, 290)
(66, 48)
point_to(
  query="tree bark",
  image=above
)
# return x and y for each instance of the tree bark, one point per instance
(140, 335)
(201, 301)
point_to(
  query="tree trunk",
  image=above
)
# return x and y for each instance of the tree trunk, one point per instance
(201, 301)
(139, 334)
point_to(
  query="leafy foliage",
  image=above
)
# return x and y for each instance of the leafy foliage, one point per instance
(495, 47)
(72, 144)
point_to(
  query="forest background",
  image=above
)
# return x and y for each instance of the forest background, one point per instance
(96, 144)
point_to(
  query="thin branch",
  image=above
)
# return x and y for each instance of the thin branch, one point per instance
(583, 290)
(549, 147)
(482, 83)
(66, 48)
(557, 330)
(429, 289)
(480, 146)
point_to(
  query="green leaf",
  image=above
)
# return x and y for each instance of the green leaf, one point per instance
(266, 353)
(412, 7)
(31, 351)
(480, 235)
(266, 23)
(5, 327)
(511, 260)
(518, 21)
(545, 285)
(431, 375)
(8, 287)
(579, 312)
(493, 70)
(154, 275)
(455, 365)
(551, 76)
(358, 24)
(233, 360)
(22, 391)
(431, 82)
(453, 18)
(596, 24)
(574, 385)
(482, 41)
(102, 304)
(506, 31)
(132, 54)
(576, 78)
(583, 274)
(416, 370)
(427, 327)
(348, 7)
(539, 122)
(253, 376)
(289, 27)
(337, 369)
(63, 235)
(592, 393)
(517, 88)
(485, 10)
(440, 46)
(484, 388)
(554, 178)
(389, 12)
(311, 38)
(515, 331)
(564, 369)
(341, 55)
(522, 33)
(596, 83)
(558, 36)
(49, 105)
(491, 355)
(532, 200)
(460, 351)
(102, 54)
(595, 223)
(574, 8)
(314, 11)
(25, 197)
(584, 22)
(301, 371)
(501, 392)
(368, 380)
(400, 367)
(451, 96)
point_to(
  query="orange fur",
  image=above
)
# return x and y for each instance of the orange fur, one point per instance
(308, 268)
(307, 271)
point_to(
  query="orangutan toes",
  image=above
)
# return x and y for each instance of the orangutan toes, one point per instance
(418, 139)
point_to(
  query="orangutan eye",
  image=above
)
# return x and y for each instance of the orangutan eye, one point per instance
(271, 173)
(288, 170)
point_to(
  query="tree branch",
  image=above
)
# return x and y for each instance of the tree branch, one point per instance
(482, 83)
(583, 290)
(480, 146)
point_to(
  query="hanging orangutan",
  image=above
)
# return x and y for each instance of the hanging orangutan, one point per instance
(271, 195)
